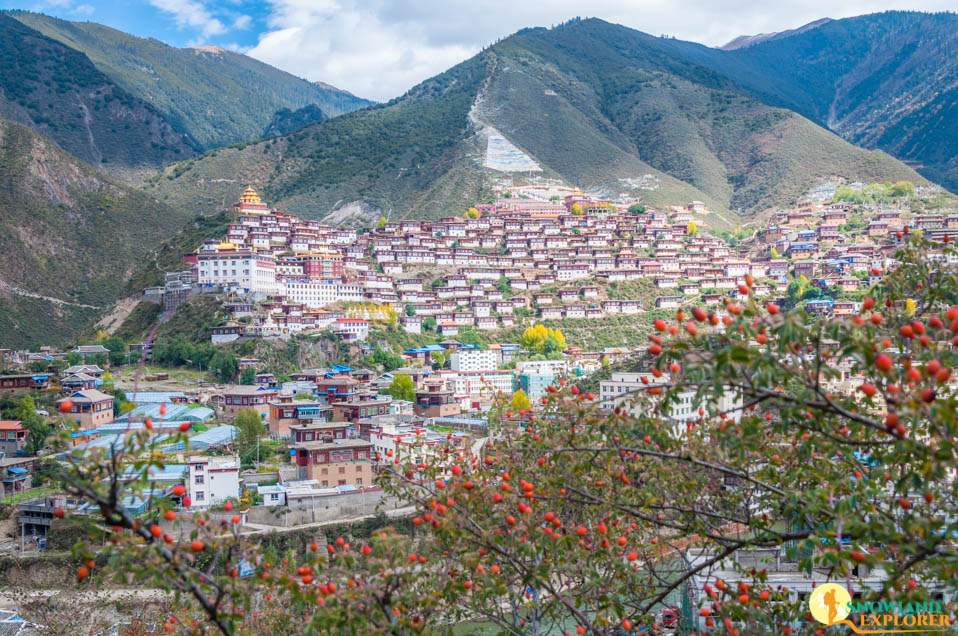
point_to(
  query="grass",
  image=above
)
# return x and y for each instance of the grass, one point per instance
(29, 494)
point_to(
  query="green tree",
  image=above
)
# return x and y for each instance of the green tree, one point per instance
(636, 208)
(247, 376)
(224, 365)
(250, 428)
(903, 189)
(438, 358)
(382, 222)
(402, 388)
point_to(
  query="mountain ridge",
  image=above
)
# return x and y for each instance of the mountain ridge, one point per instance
(744, 41)
(882, 80)
(594, 104)
(58, 92)
(214, 95)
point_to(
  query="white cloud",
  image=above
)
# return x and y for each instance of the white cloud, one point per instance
(84, 9)
(381, 48)
(242, 23)
(194, 15)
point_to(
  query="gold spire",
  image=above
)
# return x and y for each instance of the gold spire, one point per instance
(249, 196)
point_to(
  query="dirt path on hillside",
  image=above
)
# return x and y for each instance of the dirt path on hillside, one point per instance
(13, 289)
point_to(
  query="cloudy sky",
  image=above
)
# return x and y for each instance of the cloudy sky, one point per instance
(380, 48)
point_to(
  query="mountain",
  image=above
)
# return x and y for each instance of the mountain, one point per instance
(589, 103)
(71, 237)
(58, 92)
(886, 80)
(743, 41)
(215, 96)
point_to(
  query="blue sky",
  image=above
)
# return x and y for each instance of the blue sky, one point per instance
(380, 48)
(231, 23)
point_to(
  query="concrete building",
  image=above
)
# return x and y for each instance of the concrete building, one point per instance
(286, 413)
(535, 384)
(229, 266)
(325, 453)
(622, 389)
(212, 481)
(89, 408)
(237, 398)
(13, 437)
(434, 400)
(473, 360)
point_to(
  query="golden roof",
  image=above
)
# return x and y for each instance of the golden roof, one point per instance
(226, 245)
(249, 196)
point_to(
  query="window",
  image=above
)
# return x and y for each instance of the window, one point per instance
(342, 470)
(200, 496)
(359, 468)
(199, 467)
(198, 479)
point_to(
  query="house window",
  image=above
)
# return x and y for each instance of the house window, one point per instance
(342, 470)
(198, 479)
(200, 496)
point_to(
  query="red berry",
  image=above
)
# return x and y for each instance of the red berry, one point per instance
(883, 363)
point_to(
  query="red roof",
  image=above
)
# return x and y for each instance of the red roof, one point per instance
(10, 425)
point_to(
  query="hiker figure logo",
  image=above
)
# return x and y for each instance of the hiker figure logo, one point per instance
(831, 604)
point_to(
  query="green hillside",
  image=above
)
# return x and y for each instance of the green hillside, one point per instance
(215, 96)
(286, 121)
(886, 80)
(58, 92)
(591, 103)
(69, 234)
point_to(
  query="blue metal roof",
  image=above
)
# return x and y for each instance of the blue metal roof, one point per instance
(154, 397)
(214, 436)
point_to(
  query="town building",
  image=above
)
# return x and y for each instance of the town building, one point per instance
(326, 453)
(213, 481)
(89, 408)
